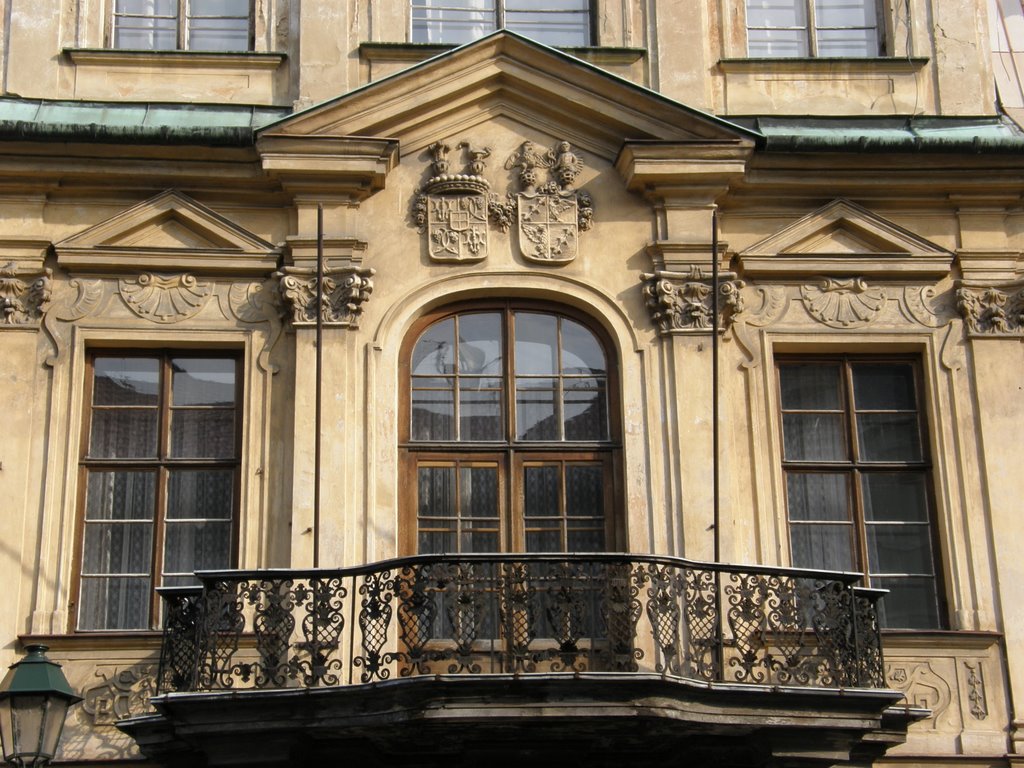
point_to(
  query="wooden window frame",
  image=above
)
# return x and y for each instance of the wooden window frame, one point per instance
(854, 466)
(160, 465)
(181, 17)
(812, 29)
(510, 454)
(499, 11)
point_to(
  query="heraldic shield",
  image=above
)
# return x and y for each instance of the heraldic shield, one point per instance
(457, 227)
(549, 226)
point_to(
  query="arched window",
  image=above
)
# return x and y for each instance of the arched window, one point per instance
(509, 433)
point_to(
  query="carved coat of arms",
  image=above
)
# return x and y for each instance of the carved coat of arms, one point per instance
(549, 216)
(453, 208)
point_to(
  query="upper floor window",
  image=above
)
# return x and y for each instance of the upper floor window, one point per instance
(160, 475)
(185, 25)
(509, 436)
(564, 23)
(824, 28)
(858, 480)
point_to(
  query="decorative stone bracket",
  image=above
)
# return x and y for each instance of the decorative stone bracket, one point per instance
(345, 289)
(991, 310)
(23, 295)
(681, 302)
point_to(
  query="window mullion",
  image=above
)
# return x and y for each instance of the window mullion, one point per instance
(182, 25)
(499, 14)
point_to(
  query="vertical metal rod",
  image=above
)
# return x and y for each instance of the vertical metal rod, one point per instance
(716, 500)
(319, 378)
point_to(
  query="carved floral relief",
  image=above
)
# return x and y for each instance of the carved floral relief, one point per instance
(992, 311)
(682, 303)
(23, 294)
(345, 290)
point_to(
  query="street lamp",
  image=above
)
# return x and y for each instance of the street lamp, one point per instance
(34, 698)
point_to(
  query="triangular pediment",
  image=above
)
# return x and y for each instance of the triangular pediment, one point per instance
(843, 238)
(507, 76)
(168, 232)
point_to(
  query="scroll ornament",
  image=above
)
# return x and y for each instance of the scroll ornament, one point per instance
(345, 290)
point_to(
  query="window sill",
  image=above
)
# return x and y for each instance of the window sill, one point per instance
(132, 640)
(823, 64)
(198, 59)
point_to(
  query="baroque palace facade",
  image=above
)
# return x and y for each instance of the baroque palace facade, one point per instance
(492, 553)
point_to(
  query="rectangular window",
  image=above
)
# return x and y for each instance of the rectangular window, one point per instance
(858, 478)
(186, 25)
(821, 28)
(563, 23)
(160, 474)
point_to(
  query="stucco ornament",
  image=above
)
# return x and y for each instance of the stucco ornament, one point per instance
(848, 303)
(345, 290)
(453, 208)
(992, 311)
(23, 295)
(165, 298)
(119, 695)
(549, 216)
(681, 302)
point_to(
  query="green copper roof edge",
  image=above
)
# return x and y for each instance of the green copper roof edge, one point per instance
(221, 136)
(859, 143)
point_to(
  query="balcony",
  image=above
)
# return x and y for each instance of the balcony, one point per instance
(605, 657)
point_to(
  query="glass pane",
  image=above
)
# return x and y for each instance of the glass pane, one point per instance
(541, 491)
(851, 43)
(818, 496)
(888, 437)
(535, 409)
(581, 352)
(436, 491)
(453, 24)
(202, 381)
(844, 13)
(536, 343)
(776, 13)
(813, 437)
(123, 433)
(585, 412)
(585, 539)
(555, 29)
(219, 8)
(480, 410)
(207, 433)
(478, 541)
(126, 381)
(546, 540)
(899, 548)
(822, 545)
(112, 548)
(200, 494)
(120, 496)
(436, 542)
(480, 344)
(810, 387)
(912, 603)
(777, 43)
(479, 492)
(433, 410)
(114, 603)
(434, 352)
(884, 388)
(145, 34)
(147, 7)
(218, 35)
(584, 490)
(190, 547)
(895, 496)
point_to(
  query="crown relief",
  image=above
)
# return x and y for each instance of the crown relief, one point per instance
(454, 209)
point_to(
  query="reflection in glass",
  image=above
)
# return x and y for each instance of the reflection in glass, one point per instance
(535, 409)
(126, 381)
(203, 381)
(536, 344)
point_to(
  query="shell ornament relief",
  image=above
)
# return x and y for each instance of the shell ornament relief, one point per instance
(165, 298)
(843, 303)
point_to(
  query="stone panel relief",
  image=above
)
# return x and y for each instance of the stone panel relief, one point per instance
(992, 310)
(922, 687)
(165, 298)
(455, 209)
(113, 694)
(681, 302)
(23, 295)
(976, 690)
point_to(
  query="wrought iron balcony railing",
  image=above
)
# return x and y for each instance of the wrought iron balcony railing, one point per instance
(520, 615)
